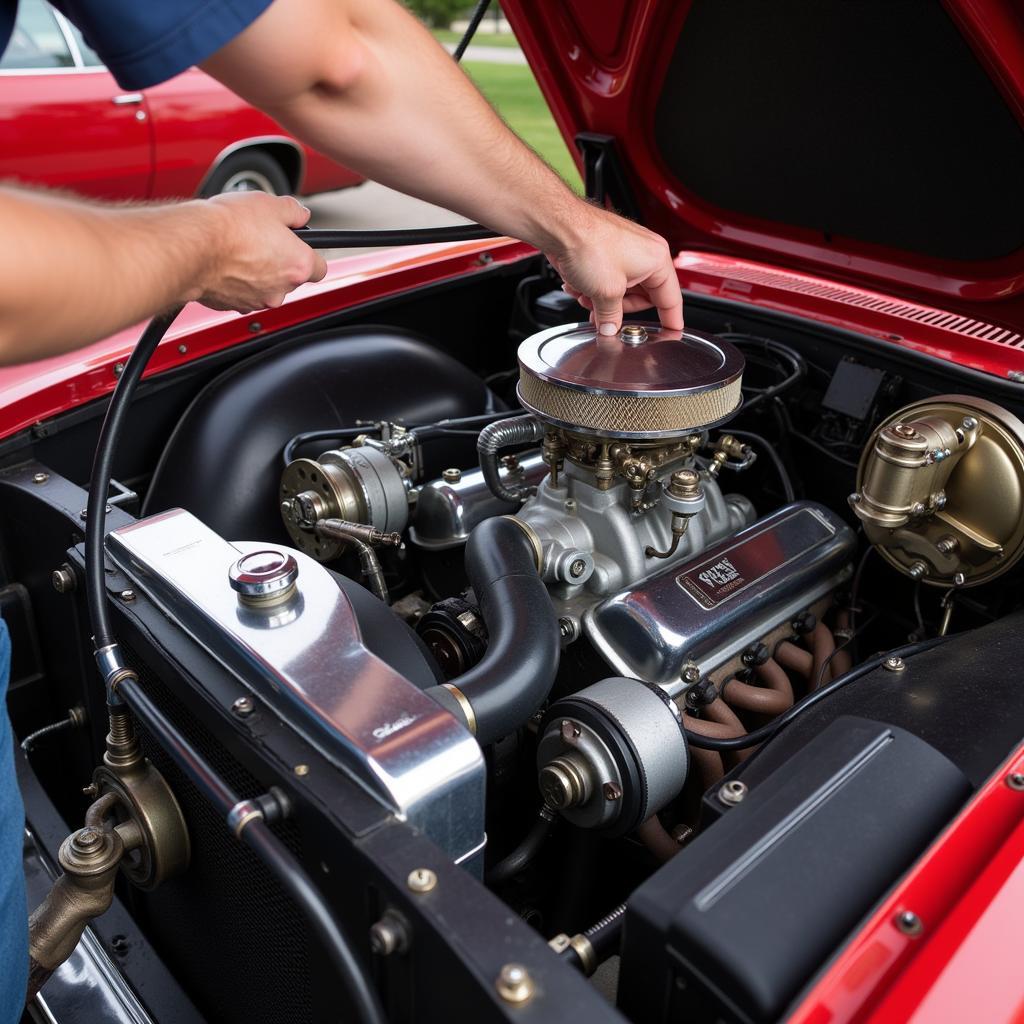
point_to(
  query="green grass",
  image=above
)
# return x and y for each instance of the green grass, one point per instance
(512, 90)
(444, 35)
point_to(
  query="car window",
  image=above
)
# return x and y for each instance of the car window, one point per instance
(90, 58)
(37, 41)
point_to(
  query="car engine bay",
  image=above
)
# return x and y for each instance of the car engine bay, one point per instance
(653, 659)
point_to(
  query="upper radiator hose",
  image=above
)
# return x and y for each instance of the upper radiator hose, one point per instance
(517, 430)
(516, 674)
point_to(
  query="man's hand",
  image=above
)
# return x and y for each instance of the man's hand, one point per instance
(614, 266)
(258, 259)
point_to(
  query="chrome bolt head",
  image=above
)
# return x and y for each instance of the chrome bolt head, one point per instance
(612, 791)
(40, 478)
(514, 984)
(733, 792)
(421, 880)
(909, 923)
(388, 935)
(127, 596)
(1015, 780)
(302, 770)
(894, 663)
(243, 707)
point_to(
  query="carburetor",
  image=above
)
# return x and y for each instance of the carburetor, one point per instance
(622, 420)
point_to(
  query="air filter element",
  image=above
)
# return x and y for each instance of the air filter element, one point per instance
(644, 383)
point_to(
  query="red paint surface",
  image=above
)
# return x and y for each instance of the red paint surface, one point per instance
(968, 891)
(600, 65)
(63, 130)
(35, 392)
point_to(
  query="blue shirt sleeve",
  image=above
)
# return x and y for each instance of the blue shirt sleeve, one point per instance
(145, 42)
(13, 909)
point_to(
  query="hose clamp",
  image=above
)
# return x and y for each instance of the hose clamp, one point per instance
(531, 536)
(242, 814)
(464, 706)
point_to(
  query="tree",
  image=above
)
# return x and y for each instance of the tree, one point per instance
(437, 13)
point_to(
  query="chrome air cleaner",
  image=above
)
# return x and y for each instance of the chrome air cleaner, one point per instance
(645, 383)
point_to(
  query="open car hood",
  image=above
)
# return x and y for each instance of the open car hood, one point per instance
(876, 142)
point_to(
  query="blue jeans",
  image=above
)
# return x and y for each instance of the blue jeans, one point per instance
(13, 913)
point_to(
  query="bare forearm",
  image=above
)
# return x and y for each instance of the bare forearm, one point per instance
(374, 90)
(71, 272)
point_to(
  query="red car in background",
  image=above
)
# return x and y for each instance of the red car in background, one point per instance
(65, 123)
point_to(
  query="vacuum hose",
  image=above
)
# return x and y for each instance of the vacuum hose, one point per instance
(503, 434)
(514, 677)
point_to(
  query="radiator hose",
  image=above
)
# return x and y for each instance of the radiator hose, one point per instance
(517, 430)
(516, 674)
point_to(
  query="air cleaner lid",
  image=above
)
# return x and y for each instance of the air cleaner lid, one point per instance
(646, 381)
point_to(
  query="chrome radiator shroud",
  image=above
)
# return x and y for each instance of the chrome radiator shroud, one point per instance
(713, 606)
(302, 654)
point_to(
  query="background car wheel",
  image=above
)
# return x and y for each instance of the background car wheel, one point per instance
(248, 171)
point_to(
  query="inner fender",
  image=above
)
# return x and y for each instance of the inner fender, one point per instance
(223, 460)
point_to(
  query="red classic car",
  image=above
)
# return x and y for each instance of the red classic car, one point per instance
(673, 676)
(65, 123)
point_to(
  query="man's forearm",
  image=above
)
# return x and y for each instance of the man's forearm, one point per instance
(72, 272)
(368, 85)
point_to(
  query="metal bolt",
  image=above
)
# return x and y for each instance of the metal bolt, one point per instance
(40, 478)
(894, 663)
(570, 506)
(567, 629)
(1017, 376)
(909, 923)
(904, 430)
(1015, 780)
(917, 509)
(183, 349)
(690, 674)
(514, 984)
(733, 793)
(510, 463)
(570, 731)
(87, 839)
(91, 791)
(127, 596)
(245, 706)
(917, 571)
(255, 327)
(118, 369)
(969, 423)
(612, 791)
(562, 784)
(421, 880)
(64, 579)
(577, 568)
(959, 579)
(301, 770)
(451, 476)
(947, 545)
(389, 935)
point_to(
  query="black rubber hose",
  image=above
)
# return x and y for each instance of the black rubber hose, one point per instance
(767, 449)
(102, 470)
(518, 670)
(766, 732)
(517, 430)
(510, 866)
(266, 846)
(318, 238)
(474, 23)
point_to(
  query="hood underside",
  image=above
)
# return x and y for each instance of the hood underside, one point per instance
(876, 141)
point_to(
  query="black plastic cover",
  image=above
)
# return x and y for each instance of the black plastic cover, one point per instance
(223, 461)
(732, 927)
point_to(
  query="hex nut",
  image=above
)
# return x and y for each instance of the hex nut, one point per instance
(733, 793)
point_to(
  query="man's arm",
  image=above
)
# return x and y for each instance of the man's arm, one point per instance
(368, 85)
(72, 272)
